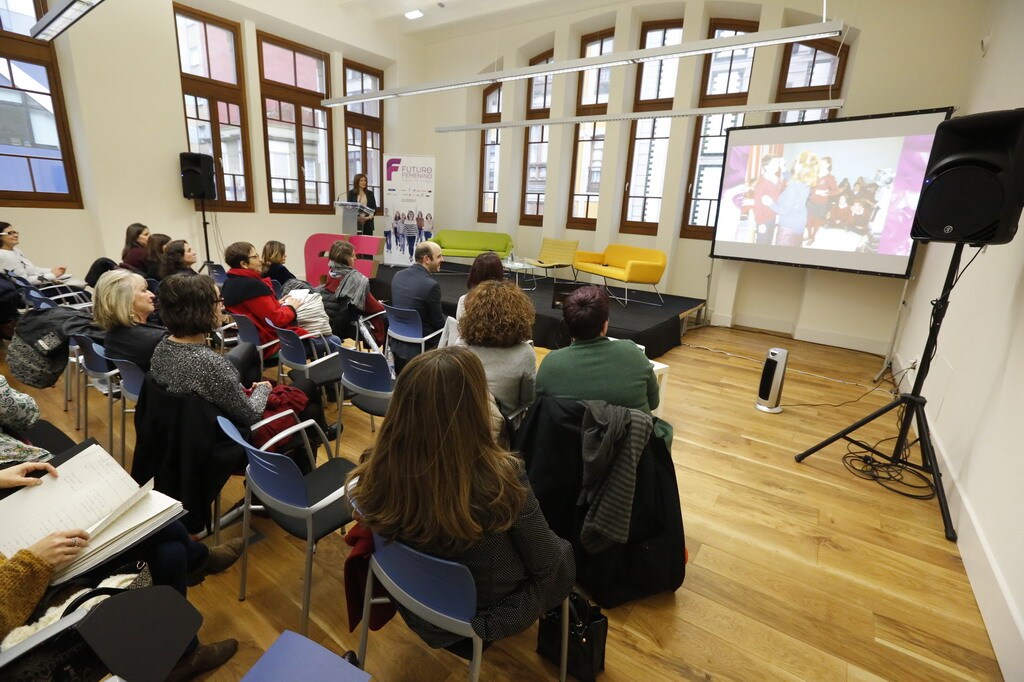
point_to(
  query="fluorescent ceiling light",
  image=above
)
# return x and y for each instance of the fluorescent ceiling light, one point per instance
(58, 19)
(781, 36)
(414, 14)
(670, 113)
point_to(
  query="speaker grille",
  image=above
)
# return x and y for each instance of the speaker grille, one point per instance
(961, 203)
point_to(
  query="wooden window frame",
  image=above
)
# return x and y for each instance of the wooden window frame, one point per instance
(652, 104)
(299, 97)
(688, 231)
(483, 216)
(25, 49)
(220, 91)
(636, 226)
(784, 94)
(368, 124)
(575, 222)
(533, 219)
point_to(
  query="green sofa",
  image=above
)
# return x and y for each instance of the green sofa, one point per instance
(471, 243)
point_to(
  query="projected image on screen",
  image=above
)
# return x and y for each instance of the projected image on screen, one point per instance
(836, 195)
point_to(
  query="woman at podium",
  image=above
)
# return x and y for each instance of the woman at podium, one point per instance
(361, 194)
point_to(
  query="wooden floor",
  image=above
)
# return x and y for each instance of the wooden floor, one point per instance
(797, 571)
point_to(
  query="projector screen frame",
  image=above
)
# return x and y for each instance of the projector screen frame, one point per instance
(948, 111)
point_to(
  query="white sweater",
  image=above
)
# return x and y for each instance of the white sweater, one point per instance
(14, 261)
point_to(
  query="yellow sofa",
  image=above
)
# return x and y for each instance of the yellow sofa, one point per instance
(628, 264)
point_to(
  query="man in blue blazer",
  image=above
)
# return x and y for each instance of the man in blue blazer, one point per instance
(415, 288)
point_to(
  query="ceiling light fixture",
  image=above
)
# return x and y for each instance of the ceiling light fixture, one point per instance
(58, 19)
(413, 14)
(781, 36)
(671, 113)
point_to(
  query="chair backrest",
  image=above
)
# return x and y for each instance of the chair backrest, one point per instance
(313, 252)
(292, 349)
(404, 322)
(434, 589)
(247, 330)
(619, 255)
(366, 372)
(276, 476)
(218, 273)
(558, 250)
(132, 378)
(37, 299)
(366, 266)
(93, 356)
(278, 288)
(367, 245)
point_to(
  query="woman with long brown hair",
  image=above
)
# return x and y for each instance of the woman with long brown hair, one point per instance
(437, 481)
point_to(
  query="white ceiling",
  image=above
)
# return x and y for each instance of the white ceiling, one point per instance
(435, 17)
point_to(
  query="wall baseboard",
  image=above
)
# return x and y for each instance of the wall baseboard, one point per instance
(828, 338)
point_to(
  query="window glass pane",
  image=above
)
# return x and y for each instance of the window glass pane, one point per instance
(492, 103)
(273, 109)
(708, 175)
(221, 45)
(648, 164)
(232, 162)
(730, 71)
(587, 174)
(30, 77)
(658, 79)
(536, 170)
(192, 46)
(596, 81)
(278, 64)
(801, 61)
(288, 112)
(284, 173)
(49, 176)
(28, 129)
(309, 72)
(17, 16)
(315, 155)
(14, 173)
(824, 72)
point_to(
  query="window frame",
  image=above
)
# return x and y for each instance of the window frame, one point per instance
(219, 91)
(483, 216)
(533, 219)
(298, 97)
(17, 47)
(784, 94)
(688, 231)
(367, 124)
(598, 109)
(653, 104)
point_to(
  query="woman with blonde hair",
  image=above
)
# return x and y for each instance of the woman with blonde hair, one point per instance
(121, 307)
(497, 325)
(436, 480)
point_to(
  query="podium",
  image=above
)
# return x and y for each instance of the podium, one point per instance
(350, 212)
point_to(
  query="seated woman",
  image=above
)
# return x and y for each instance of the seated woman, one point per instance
(346, 287)
(496, 325)
(173, 557)
(14, 261)
(18, 413)
(183, 364)
(436, 481)
(154, 253)
(274, 258)
(134, 254)
(178, 258)
(485, 267)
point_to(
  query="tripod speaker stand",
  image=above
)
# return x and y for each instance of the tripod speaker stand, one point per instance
(913, 403)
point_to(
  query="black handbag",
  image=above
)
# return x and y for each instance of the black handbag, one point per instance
(588, 634)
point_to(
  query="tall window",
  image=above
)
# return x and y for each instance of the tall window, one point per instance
(588, 146)
(535, 151)
(209, 53)
(811, 70)
(293, 81)
(37, 166)
(364, 129)
(726, 82)
(648, 138)
(490, 149)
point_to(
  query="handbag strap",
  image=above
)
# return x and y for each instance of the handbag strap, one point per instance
(91, 594)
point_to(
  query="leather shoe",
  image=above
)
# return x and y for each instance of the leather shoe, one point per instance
(219, 559)
(205, 657)
(333, 431)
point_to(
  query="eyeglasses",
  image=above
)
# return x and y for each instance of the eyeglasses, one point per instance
(220, 299)
(10, 233)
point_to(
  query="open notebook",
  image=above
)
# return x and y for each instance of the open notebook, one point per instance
(92, 492)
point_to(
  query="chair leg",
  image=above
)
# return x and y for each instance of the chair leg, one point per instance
(308, 587)
(78, 396)
(340, 398)
(563, 662)
(373, 428)
(110, 414)
(85, 407)
(364, 625)
(245, 543)
(124, 447)
(478, 658)
(216, 519)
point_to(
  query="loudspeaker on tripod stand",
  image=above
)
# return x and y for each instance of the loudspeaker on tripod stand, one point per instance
(197, 177)
(769, 392)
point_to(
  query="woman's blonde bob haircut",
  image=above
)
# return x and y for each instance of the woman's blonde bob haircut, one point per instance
(435, 478)
(113, 303)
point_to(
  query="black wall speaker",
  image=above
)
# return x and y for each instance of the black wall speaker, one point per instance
(197, 181)
(974, 184)
(769, 392)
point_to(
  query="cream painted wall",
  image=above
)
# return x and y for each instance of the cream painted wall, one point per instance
(974, 391)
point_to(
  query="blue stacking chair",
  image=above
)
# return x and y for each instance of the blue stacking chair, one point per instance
(369, 377)
(131, 377)
(308, 507)
(218, 273)
(439, 591)
(248, 333)
(293, 657)
(405, 324)
(102, 378)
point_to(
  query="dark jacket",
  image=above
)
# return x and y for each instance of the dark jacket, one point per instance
(371, 203)
(654, 557)
(417, 289)
(190, 464)
(279, 273)
(135, 259)
(135, 343)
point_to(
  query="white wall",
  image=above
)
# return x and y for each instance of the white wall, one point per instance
(975, 390)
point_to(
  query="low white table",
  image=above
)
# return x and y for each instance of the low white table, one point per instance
(516, 267)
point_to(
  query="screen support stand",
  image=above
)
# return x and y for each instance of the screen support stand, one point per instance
(206, 238)
(913, 403)
(887, 362)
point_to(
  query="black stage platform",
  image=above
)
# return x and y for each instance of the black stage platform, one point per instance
(655, 328)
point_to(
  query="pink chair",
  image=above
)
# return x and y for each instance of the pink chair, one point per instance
(367, 245)
(315, 254)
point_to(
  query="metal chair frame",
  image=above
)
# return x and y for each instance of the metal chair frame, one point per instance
(94, 363)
